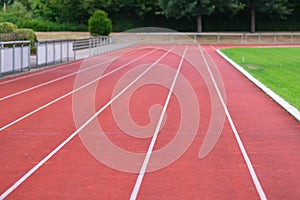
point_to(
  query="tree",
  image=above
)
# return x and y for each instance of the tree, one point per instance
(283, 8)
(137, 7)
(100, 24)
(196, 8)
(5, 2)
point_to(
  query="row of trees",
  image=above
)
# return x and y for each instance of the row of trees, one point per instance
(79, 11)
(198, 8)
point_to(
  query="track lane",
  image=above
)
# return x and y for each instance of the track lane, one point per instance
(45, 114)
(27, 82)
(272, 146)
(221, 175)
(28, 105)
(269, 133)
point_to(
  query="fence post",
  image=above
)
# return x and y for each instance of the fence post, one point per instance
(29, 48)
(54, 52)
(46, 53)
(13, 59)
(37, 54)
(74, 49)
(68, 53)
(61, 52)
(22, 57)
(1, 61)
(90, 47)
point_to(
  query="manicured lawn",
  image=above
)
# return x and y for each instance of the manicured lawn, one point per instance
(277, 68)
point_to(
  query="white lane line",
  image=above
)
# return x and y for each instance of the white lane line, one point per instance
(43, 70)
(54, 80)
(44, 160)
(142, 172)
(254, 177)
(73, 91)
(55, 67)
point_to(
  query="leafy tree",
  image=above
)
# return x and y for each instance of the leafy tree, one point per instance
(283, 8)
(4, 3)
(196, 8)
(136, 7)
(99, 23)
(73, 11)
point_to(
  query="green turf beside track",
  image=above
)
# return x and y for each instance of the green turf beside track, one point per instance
(277, 68)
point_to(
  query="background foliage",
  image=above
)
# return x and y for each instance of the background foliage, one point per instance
(228, 15)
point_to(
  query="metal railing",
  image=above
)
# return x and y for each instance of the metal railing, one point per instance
(14, 56)
(248, 38)
(219, 38)
(49, 52)
(92, 42)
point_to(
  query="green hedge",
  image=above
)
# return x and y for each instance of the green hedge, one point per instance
(46, 26)
(6, 27)
(100, 24)
(27, 34)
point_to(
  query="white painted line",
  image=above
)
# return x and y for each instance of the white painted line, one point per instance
(73, 91)
(59, 147)
(283, 103)
(33, 73)
(255, 180)
(52, 68)
(54, 80)
(142, 172)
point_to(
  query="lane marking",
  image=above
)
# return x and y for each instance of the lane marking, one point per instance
(52, 153)
(42, 71)
(142, 172)
(53, 68)
(236, 134)
(54, 80)
(73, 91)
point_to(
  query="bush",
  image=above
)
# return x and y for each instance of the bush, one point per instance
(27, 34)
(7, 27)
(44, 25)
(100, 24)
(40, 25)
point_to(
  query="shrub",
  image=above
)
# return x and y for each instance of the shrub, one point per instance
(40, 25)
(99, 23)
(27, 34)
(45, 25)
(7, 27)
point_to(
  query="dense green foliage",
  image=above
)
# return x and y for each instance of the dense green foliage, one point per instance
(27, 34)
(100, 24)
(198, 8)
(277, 68)
(7, 27)
(10, 31)
(182, 15)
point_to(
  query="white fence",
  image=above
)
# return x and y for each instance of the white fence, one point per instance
(50, 52)
(14, 56)
(218, 38)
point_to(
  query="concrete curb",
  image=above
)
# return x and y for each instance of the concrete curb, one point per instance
(284, 104)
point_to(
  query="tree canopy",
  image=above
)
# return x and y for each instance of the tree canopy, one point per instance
(62, 13)
(197, 8)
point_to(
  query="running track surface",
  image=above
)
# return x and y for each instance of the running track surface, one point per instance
(37, 116)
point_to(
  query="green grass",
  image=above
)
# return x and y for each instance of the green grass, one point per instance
(277, 68)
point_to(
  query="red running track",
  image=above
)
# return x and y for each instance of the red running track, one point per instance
(270, 136)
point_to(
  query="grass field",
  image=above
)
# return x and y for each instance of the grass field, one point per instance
(277, 68)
